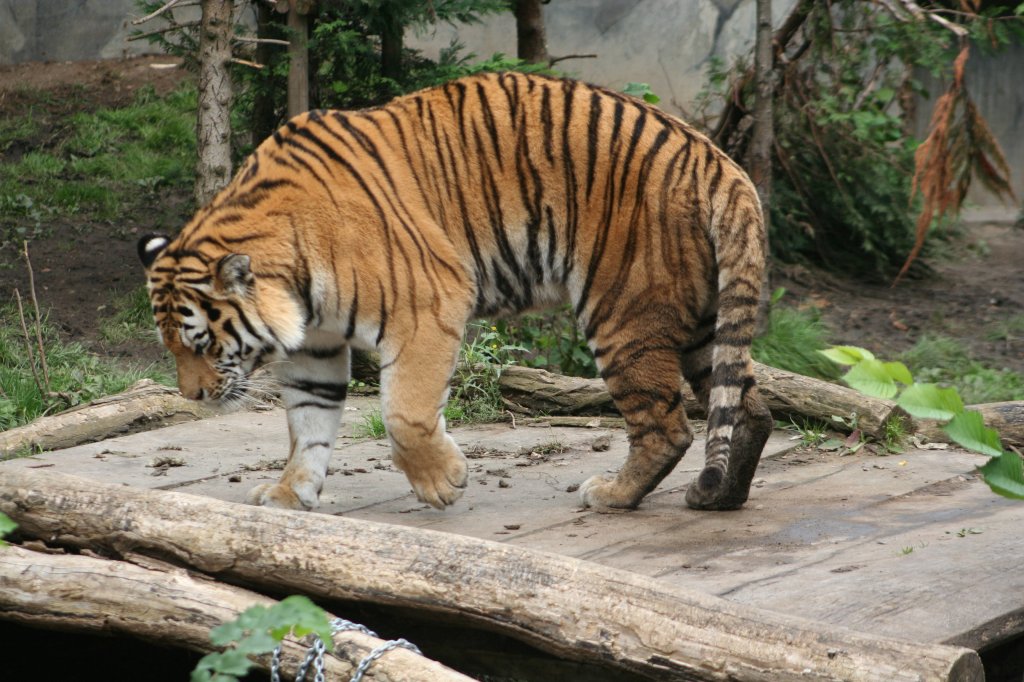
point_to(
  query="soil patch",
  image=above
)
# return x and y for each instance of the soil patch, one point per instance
(972, 293)
(83, 264)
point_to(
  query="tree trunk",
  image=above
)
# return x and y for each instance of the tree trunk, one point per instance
(165, 605)
(391, 48)
(213, 125)
(264, 116)
(298, 58)
(145, 405)
(531, 38)
(571, 608)
(762, 139)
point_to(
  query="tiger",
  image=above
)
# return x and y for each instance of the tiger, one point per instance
(390, 228)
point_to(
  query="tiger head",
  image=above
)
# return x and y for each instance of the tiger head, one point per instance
(210, 314)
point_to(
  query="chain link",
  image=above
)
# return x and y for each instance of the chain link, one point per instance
(315, 655)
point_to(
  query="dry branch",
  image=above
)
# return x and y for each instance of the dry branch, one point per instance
(144, 405)
(786, 394)
(1007, 418)
(163, 604)
(568, 607)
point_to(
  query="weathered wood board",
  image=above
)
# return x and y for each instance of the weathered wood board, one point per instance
(910, 545)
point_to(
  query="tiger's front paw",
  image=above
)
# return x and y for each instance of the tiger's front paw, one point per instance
(601, 492)
(438, 483)
(282, 496)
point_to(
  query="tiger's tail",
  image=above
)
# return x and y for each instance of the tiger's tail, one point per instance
(738, 237)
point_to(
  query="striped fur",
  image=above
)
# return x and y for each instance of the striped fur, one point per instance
(389, 228)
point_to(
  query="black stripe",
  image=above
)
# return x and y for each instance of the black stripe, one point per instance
(328, 390)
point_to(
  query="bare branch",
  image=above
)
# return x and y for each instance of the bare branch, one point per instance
(555, 60)
(261, 41)
(166, 29)
(28, 345)
(39, 324)
(919, 13)
(153, 15)
(246, 62)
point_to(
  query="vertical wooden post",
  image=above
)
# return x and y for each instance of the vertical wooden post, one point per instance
(213, 122)
(298, 56)
(762, 138)
(531, 38)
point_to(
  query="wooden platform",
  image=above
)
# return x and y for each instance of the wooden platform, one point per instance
(911, 546)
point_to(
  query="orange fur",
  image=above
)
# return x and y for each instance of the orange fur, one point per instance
(390, 228)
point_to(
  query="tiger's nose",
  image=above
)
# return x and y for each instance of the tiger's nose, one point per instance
(194, 393)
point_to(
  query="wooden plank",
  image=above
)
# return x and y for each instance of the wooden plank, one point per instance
(570, 608)
(822, 535)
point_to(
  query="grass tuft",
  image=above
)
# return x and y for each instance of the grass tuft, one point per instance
(792, 341)
(76, 375)
(940, 359)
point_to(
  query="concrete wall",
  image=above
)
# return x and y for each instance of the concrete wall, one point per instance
(666, 43)
(65, 30)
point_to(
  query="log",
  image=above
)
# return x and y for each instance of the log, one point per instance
(787, 395)
(144, 405)
(566, 606)
(1007, 418)
(163, 604)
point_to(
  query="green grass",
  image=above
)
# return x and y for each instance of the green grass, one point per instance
(132, 318)
(940, 359)
(791, 342)
(76, 375)
(372, 426)
(105, 159)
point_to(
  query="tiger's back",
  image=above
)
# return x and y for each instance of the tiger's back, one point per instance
(390, 228)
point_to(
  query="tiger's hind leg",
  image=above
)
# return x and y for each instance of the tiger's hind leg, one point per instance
(751, 432)
(643, 376)
(414, 383)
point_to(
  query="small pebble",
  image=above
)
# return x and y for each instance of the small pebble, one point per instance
(572, 487)
(234, 478)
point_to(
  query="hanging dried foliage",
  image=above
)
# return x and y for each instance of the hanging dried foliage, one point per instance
(960, 147)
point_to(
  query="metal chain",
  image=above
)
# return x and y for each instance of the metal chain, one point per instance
(315, 655)
(365, 664)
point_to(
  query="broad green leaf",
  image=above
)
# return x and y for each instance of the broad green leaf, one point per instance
(928, 401)
(6, 525)
(1005, 475)
(300, 614)
(232, 662)
(846, 355)
(968, 429)
(871, 377)
(777, 295)
(899, 372)
(259, 642)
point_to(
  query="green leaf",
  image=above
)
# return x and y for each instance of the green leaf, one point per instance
(1020, 9)
(846, 355)
(968, 429)
(872, 378)
(6, 525)
(641, 91)
(928, 401)
(899, 372)
(1005, 475)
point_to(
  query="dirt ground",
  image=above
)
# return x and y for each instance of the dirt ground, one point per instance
(81, 268)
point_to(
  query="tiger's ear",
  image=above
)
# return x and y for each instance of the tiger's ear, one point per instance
(233, 273)
(151, 246)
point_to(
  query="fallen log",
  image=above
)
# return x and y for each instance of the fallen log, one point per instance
(568, 607)
(163, 604)
(787, 395)
(1007, 418)
(144, 405)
